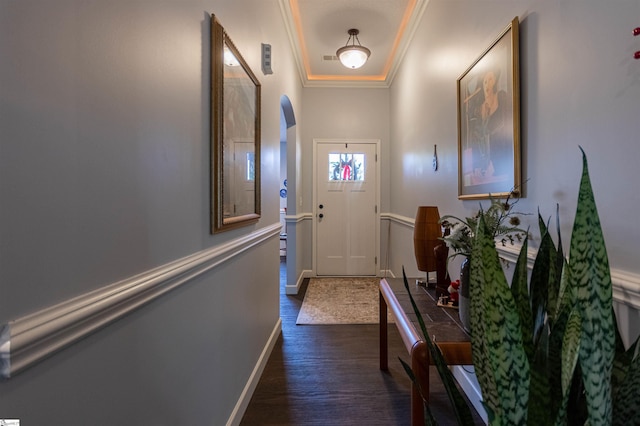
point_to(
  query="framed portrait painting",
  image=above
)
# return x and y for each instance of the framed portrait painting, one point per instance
(489, 121)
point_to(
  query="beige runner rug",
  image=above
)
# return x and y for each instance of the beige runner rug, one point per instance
(351, 300)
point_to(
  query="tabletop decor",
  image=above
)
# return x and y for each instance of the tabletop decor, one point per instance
(503, 222)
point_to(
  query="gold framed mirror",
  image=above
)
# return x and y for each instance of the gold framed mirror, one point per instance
(235, 136)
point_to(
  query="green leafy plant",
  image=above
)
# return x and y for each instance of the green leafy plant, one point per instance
(501, 219)
(547, 350)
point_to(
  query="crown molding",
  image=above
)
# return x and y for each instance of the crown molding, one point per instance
(383, 81)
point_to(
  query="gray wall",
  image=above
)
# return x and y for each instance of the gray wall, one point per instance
(580, 86)
(344, 113)
(104, 174)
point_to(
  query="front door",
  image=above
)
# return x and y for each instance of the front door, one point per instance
(346, 214)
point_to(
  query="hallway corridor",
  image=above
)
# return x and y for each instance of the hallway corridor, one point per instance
(329, 375)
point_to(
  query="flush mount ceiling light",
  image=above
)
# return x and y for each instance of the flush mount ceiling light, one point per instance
(353, 55)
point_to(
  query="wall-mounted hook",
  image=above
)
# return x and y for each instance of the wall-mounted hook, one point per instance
(435, 158)
(636, 31)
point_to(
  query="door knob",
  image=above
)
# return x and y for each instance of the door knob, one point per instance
(320, 215)
(321, 206)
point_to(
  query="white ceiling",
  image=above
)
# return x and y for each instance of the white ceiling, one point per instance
(317, 28)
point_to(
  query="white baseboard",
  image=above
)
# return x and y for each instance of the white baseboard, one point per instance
(294, 289)
(470, 387)
(250, 387)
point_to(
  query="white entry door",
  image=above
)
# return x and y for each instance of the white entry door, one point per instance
(345, 208)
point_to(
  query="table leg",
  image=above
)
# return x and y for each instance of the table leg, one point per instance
(384, 363)
(420, 366)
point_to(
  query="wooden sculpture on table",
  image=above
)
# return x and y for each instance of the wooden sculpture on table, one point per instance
(430, 251)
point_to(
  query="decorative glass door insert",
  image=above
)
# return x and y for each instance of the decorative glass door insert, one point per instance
(346, 167)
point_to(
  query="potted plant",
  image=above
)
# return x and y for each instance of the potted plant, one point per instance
(503, 224)
(547, 350)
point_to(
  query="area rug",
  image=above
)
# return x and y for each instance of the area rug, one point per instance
(352, 300)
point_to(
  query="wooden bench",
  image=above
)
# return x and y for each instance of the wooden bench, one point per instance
(443, 325)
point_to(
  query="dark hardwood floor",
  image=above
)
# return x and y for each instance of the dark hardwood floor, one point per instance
(329, 375)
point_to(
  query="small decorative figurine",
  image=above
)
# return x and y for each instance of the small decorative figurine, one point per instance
(453, 292)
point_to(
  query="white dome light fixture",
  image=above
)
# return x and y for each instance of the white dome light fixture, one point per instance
(353, 55)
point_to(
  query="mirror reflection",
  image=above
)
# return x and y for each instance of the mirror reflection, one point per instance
(235, 136)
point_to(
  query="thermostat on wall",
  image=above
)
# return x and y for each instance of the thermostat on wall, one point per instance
(266, 59)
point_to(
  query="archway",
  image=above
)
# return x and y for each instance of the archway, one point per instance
(290, 181)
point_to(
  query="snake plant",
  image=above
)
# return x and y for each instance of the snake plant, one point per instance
(546, 349)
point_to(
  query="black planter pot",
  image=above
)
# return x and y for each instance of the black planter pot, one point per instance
(464, 304)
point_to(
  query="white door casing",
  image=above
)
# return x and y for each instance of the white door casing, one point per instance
(346, 217)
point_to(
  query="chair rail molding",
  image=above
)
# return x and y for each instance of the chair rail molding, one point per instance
(30, 339)
(396, 218)
(626, 285)
(298, 217)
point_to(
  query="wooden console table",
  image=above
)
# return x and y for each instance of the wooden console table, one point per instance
(443, 325)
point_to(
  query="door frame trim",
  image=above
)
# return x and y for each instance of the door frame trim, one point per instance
(314, 248)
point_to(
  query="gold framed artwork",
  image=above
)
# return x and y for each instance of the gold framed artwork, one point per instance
(489, 121)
